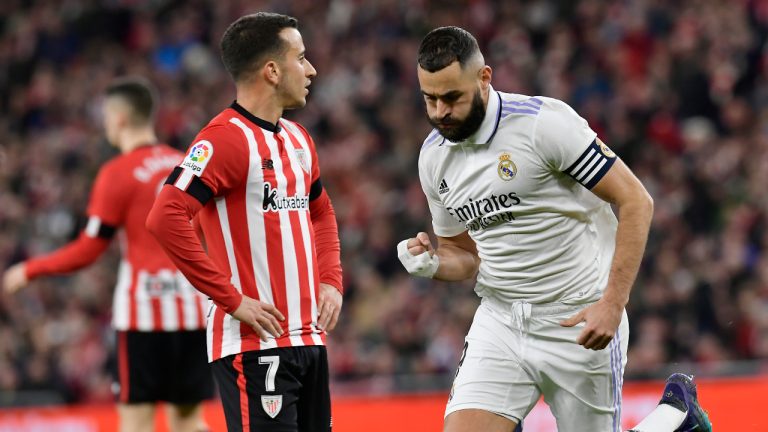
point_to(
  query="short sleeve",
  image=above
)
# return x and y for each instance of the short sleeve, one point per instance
(567, 144)
(443, 224)
(218, 157)
(108, 202)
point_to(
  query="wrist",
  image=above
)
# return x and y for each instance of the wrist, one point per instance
(231, 303)
(617, 301)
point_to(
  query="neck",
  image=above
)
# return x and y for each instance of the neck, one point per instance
(261, 102)
(134, 138)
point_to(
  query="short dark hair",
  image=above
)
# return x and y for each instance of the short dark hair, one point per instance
(138, 93)
(248, 42)
(445, 45)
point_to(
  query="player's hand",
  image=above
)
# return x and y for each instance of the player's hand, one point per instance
(602, 318)
(418, 256)
(15, 278)
(420, 244)
(263, 317)
(329, 304)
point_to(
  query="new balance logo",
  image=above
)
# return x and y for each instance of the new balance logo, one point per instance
(267, 164)
(443, 188)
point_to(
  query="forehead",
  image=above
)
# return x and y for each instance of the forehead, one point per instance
(293, 38)
(449, 78)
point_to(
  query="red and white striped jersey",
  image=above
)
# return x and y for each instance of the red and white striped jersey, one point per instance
(151, 294)
(268, 225)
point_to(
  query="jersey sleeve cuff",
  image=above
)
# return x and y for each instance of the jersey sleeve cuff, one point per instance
(448, 232)
(334, 283)
(230, 302)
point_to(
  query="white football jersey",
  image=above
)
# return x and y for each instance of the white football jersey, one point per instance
(520, 187)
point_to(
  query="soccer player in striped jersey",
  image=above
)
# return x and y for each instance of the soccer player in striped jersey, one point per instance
(519, 189)
(272, 267)
(158, 315)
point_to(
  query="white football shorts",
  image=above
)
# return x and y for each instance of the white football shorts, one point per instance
(515, 353)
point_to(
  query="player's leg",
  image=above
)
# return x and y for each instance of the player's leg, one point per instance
(186, 418)
(582, 387)
(493, 389)
(259, 390)
(678, 409)
(469, 420)
(189, 380)
(139, 417)
(314, 405)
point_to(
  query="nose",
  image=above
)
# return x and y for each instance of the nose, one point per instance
(311, 72)
(442, 109)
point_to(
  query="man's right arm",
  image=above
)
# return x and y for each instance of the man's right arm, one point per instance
(202, 175)
(170, 222)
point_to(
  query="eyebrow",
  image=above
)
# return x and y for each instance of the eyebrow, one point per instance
(452, 93)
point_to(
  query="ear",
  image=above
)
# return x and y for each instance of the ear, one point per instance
(485, 75)
(271, 72)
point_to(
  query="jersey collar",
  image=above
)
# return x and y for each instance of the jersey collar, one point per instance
(490, 123)
(255, 120)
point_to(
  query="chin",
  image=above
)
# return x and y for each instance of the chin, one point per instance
(297, 104)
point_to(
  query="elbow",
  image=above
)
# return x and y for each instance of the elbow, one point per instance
(648, 205)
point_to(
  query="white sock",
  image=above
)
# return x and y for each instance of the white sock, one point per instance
(665, 418)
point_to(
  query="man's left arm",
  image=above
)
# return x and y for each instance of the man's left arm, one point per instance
(619, 186)
(328, 250)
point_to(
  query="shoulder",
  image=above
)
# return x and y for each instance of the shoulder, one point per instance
(433, 143)
(219, 135)
(433, 140)
(518, 104)
(115, 165)
(297, 130)
(432, 152)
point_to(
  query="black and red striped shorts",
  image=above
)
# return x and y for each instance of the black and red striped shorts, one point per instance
(276, 390)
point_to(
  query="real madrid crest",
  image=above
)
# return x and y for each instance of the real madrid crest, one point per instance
(507, 169)
(604, 148)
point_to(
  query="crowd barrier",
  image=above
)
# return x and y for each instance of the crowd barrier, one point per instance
(735, 405)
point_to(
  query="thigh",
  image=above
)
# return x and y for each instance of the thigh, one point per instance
(259, 391)
(583, 387)
(314, 406)
(492, 375)
(471, 420)
(189, 373)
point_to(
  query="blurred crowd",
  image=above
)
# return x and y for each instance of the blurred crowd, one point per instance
(678, 89)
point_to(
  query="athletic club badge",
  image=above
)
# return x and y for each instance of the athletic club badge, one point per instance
(272, 405)
(507, 169)
(301, 155)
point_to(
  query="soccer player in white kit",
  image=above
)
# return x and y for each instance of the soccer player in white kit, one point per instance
(519, 189)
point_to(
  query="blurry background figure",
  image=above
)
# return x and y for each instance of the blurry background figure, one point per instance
(158, 315)
(678, 89)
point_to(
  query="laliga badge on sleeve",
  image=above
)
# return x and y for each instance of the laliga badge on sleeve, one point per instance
(272, 404)
(198, 157)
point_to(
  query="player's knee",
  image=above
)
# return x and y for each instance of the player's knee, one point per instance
(186, 410)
